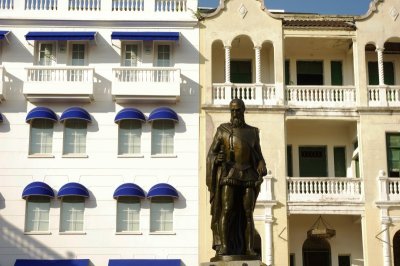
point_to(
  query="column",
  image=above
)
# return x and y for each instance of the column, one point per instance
(258, 64)
(268, 241)
(227, 64)
(380, 66)
(386, 241)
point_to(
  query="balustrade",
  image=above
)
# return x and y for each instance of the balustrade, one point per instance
(389, 188)
(321, 96)
(153, 74)
(59, 74)
(6, 4)
(84, 5)
(128, 5)
(322, 188)
(170, 5)
(41, 4)
(251, 94)
(384, 96)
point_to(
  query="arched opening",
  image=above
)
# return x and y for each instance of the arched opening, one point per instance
(218, 62)
(242, 65)
(396, 249)
(316, 251)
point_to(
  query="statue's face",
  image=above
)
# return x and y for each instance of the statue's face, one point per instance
(237, 114)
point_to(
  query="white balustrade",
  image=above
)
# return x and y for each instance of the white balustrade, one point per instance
(251, 94)
(324, 189)
(152, 74)
(389, 188)
(128, 5)
(170, 6)
(384, 95)
(59, 74)
(84, 5)
(6, 4)
(321, 96)
(41, 4)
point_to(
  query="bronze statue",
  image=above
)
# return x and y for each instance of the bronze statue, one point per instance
(235, 167)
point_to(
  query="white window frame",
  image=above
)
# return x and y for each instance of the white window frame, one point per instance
(74, 153)
(80, 207)
(70, 53)
(171, 53)
(53, 53)
(135, 202)
(165, 201)
(161, 141)
(131, 137)
(42, 135)
(138, 55)
(38, 215)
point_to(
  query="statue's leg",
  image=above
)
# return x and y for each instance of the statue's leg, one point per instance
(227, 199)
(248, 204)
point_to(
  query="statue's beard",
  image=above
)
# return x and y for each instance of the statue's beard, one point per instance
(237, 122)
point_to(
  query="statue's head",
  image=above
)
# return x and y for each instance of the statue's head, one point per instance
(237, 109)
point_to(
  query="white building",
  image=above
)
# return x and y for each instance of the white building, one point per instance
(95, 96)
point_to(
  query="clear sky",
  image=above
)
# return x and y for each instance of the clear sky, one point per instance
(338, 7)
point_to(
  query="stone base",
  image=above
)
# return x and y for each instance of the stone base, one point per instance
(234, 263)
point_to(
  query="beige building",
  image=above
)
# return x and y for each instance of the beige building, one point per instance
(325, 93)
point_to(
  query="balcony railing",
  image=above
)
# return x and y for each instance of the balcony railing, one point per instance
(72, 82)
(251, 94)
(321, 96)
(320, 189)
(381, 96)
(137, 83)
(100, 9)
(389, 187)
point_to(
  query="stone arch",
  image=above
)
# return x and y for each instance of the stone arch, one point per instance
(267, 62)
(217, 61)
(396, 249)
(316, 251)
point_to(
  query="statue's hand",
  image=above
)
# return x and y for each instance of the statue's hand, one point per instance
(261, 168)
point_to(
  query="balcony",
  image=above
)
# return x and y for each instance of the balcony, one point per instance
(132, 84)
(1, 83)
(161, 10)
(251, 94)
(384, 96)
(324, 195)
(321, 96)
(50, 83)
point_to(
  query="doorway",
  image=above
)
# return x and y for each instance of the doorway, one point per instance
(313, 162)
(316, 252)
(241, 71)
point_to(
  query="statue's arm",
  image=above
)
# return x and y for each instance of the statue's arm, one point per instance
(261, 165)
(212, 161)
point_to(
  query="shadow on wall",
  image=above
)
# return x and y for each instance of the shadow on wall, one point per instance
(14, 242)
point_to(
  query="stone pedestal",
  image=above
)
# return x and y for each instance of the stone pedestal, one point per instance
(234, 263)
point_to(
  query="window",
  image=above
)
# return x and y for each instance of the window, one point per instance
(128, 214)
(310, 73)
(75, 136)
(373, 73)
(336, 73)
(72, 209)
(46, 57)
(37, 214)
(163, 60)
(393, 154)
(162, 137)
(161, 214)
(41, 136)
(339, 154)
(78, 59)
(131, 55)
(129, 137)
(344, 260)
(313, 161)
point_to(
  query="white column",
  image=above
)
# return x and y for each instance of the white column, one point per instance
(386, 241)
(227, 64)
(380, 66)
(258, 64)
(268, 241)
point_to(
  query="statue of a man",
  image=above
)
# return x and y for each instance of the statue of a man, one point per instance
(235, 167)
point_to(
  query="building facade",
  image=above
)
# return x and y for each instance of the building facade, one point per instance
(323, 91)
(99, 133)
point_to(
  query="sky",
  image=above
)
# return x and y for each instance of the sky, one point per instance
(333, 7)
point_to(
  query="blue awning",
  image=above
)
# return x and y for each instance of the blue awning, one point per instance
(60, 35)
(73, 189)
(163, 113)
(84, 262)
(141, 262)
(162, 190)
(37, 189)
(3, 34)
(130, 113)
(75, 113)
(145, 36)
(129, 190)
(41, 112)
